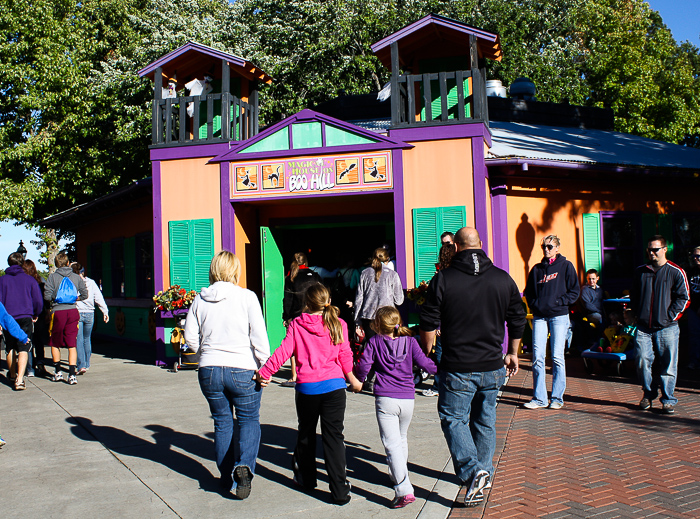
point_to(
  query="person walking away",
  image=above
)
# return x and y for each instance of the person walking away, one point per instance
(86, 308)
(659, 296)
(40, 334)
(392, 353)
(300, 278)
(64, 288)
(552, 286)
(694, 313)
(9, 325)
(319, 341)
(225, 325)
(472, 301)
(20, 295)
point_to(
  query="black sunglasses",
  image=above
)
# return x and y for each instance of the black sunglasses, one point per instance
(695, 256)
(547, 246)
(655, 249)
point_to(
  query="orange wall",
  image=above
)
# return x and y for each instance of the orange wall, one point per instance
(535, 210)
(189, 190)
(436, 174)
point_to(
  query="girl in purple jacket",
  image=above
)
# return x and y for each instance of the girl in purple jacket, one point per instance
(392, 354)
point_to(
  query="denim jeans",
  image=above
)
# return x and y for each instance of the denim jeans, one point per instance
(83, 344)
(661, 345)
(467, 410)
(236, 442)
(557, 328)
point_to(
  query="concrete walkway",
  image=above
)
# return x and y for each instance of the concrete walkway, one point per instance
(134, 440)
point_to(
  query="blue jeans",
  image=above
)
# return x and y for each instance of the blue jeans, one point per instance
(557, 328)
(467, 410)
(661, 345)
(83, 344)
(235, 443)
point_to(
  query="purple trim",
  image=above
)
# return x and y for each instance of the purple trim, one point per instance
(499, 227)
(480, 174)
(449, 131)
(228, 232)
(157, 228)
(167, 314)
(399, 217)
(313, 195)
(381, 142)
(433, 19)
(191, 46)
(189, 152)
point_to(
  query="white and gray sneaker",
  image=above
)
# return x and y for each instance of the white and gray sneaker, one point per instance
(57, 377)
(72, 380)
(475, 494)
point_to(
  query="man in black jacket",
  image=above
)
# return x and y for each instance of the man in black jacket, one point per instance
(551, 287)
(659, 296)
(471, 301)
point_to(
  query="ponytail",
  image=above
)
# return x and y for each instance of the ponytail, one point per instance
(299, 260)
(387, 321)
(380, 256)
(318, 299)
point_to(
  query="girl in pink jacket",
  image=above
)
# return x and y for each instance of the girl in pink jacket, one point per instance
(319, 341)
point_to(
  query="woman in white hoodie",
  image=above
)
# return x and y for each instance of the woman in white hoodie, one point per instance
(225, 325)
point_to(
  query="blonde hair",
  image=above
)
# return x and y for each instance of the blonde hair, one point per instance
(225, 266)
(552, 238)
(387, 321)
(299, 260)
(381, 256)
(318, 299)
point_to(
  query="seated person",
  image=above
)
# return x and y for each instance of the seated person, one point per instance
(620, 335)
(592, 298)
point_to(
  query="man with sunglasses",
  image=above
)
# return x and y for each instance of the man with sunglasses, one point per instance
(694, 313)
(659, 296)
(552, 286)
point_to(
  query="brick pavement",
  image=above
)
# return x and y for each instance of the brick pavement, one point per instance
(597, 457)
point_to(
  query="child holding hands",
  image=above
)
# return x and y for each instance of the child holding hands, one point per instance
(392, 354)
(319, 341)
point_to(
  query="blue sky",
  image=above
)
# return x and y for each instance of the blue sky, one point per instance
(681, 16)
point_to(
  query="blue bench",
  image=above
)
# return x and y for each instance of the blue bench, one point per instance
(615, 359)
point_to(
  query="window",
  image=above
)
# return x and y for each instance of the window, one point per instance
(428, 225)
(191, 251)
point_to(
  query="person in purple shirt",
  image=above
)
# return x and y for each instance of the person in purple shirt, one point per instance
(392, 354)
(21, 296)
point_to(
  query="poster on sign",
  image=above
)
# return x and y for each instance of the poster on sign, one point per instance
(313, 175)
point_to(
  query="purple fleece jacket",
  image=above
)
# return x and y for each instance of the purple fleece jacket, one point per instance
(20, 293)
(393, 361)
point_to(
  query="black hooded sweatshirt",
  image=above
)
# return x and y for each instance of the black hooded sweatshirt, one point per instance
(471, 301)
(552, 287)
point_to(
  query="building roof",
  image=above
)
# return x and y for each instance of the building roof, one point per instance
(518, 143)
(196, 59)
(436, 34)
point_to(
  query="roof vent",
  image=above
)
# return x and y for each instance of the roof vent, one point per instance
(523, 88)
(494, 88)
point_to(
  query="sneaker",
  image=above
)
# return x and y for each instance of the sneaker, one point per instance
(556, 404)
(644, 404)
(533, 404)
(475, 494)
(242, 477)
(57, 377)
(72, 380)
(427, 392)
(401, 501)
(19, 385)
(30, 373)
(288, 383)
(2, 442)
(82, 371)
(668, 409)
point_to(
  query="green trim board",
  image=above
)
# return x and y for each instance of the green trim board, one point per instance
(428, 225)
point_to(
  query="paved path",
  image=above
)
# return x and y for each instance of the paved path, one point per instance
(598, 457)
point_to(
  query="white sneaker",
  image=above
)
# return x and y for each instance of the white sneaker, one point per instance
(57, 377)
(72, 380)
(555, 404)
(430, 392)
(533, 404)
(475, 494)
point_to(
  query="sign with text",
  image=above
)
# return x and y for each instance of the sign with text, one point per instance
(312, 175)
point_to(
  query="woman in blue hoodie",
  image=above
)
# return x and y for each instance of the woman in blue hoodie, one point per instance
(392, 354)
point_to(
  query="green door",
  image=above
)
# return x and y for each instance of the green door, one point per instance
(273, 287)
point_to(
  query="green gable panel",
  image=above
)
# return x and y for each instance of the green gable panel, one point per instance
(592, 246)
(338, 137)
(306, 135)
(278, 141)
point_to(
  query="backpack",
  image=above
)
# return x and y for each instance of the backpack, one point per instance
(67, 294)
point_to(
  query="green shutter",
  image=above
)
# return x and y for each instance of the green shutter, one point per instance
(107, 269)
(179, 238)
(592, 246)
(130, 266)
(666, 230)
(428, 225)
(202, 242)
